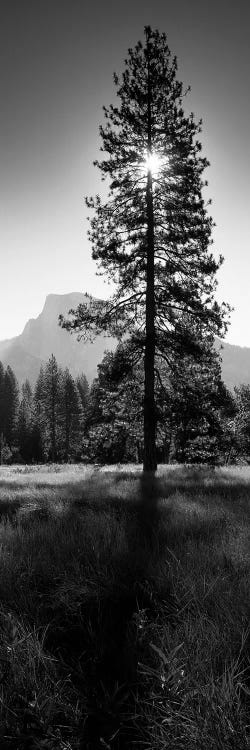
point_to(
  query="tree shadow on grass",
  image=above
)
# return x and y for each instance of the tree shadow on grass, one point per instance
(9, 510)
(103, 643)
(121, 616)
(148, 515)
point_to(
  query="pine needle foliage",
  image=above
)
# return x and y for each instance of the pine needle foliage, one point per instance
(152, 235)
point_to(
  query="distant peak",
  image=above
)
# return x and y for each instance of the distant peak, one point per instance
(61, 303)
(68, 295)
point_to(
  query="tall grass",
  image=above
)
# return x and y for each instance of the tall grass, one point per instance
(124, 617)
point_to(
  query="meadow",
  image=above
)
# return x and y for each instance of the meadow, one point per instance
(124, 608)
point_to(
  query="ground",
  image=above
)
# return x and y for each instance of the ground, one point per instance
(125, 608)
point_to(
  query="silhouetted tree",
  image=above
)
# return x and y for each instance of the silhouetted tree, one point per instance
(40, 428)
(152, 235)
(58, 414)
(83, 388)
(200, 405)
(241, 422)
(194, 410)
(114, 426)
(10, 406)
(47, 398)
(71, 417)
(1, 409)
(52, 404)
(25, 423)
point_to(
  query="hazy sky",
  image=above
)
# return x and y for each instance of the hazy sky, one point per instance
(57, 59)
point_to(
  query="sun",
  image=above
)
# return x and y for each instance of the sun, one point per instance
(152, 163)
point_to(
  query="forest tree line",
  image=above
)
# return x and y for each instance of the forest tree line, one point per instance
(45, 423)
(63, 419)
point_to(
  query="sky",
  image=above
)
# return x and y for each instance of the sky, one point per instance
(57, 59)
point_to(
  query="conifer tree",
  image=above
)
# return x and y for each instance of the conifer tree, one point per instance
(11, 404)
(242, 420)
(25, 422)
(1, 394)
(40, 430)
(152, 234)
(199, 404)
(47, 399)
(40, 387)
(83, 388)
(71, 417)
(1, 409)
(52, 404)
(114, 419)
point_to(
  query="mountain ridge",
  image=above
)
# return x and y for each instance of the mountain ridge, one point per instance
(42, 336)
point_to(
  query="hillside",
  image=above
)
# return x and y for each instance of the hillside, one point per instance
(42, 336)
(235, 364)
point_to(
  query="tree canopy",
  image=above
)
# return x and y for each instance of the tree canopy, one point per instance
(152, 235)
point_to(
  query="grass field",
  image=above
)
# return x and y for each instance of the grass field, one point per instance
(124, 608)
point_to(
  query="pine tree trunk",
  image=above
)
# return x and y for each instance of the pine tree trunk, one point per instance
(150, 463)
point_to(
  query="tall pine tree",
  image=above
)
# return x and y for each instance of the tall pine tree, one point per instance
(1, 410)
(83, 388)
(25, 423)
(11, 404)
(114, 417)
(71, 417)
(152, 235)
(52, 403)
(40, 430)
